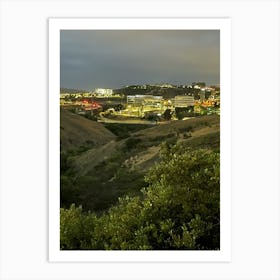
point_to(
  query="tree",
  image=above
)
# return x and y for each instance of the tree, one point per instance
(179, 210)
(76, 228)
(167, 114)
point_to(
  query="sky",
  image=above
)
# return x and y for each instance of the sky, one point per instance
(92, 59)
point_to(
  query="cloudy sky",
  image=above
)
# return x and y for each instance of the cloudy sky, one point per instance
(112, 59)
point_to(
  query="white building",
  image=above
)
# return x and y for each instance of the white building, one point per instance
(104, 91)
(144, 99)
(183, 101)
(165, 85)
(202, 94)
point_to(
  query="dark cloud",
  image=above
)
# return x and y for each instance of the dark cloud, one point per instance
(91, 59)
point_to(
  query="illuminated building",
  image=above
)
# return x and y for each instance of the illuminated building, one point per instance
(104, 91)
(183, 101)
(202, 95)
(144, 100)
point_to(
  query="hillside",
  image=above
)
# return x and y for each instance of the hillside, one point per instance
(102, 174)
(156, 90)
(77, 131)
(72, 90)
(177, 127)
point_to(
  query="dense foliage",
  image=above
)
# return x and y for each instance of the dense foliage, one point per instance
(178, 210)
(102, 185)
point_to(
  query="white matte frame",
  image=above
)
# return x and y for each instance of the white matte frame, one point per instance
(55, 27)
(24, 151)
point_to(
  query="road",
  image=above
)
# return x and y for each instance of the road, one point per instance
(106, 120)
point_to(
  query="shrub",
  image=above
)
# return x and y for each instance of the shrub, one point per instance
(75, 228)
(178, 210)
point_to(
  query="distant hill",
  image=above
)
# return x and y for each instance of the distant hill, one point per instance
(76, 131)
(71, 90)
(154, 90)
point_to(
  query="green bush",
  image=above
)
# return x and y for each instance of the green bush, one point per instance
(76, 228)
(178, 210)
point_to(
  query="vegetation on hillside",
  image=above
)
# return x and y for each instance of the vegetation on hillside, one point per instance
(178, 209)
(124, 130)
(97, 177)
(145, 188)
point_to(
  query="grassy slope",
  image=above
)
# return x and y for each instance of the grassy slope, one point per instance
(76, 131)
(118, 167)
(147, 141)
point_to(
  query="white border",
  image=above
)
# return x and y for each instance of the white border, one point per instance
(55, 25)
(24, 160)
